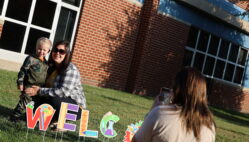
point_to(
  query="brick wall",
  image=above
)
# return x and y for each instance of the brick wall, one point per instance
(163, 54)
(105, 42)
(160, 50)
(229, 96)
(241, 3)
(114, 49)
(122, 46)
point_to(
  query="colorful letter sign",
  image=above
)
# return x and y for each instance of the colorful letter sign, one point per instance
(67, 116)
(106, 125)
(83, 126)
(131, 130)
(44, 114)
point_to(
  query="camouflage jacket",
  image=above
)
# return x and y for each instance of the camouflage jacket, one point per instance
(32, 72)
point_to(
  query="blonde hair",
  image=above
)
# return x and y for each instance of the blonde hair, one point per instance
(190, 92)
(43, 40)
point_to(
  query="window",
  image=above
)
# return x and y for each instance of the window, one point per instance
(65, 25)
(242, 57)
(198, 62)
(18, 9)
(27, 20)
(41, 17)
(10, 40)
(224, 49)
(238, 75)
(213, 46)
(72, 2)
(1, 6)
(32, 39)
(215, 57)
(203, 41)
(219, 68)
(187, 58)
(229, 72)
(193, 33)
(233, 54)
(209, 66)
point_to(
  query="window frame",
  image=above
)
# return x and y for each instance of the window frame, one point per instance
(216, 57)
(51, 31)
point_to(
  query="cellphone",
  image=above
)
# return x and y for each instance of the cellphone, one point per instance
(165, 89)
(164, 95)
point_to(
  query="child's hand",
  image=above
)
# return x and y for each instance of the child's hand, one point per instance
(32, 91)
(20, 87)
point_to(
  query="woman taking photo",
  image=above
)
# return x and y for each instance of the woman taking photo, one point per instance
(63, 83)
(187, 119)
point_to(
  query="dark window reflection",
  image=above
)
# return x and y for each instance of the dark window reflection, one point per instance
(65, 25)
(12, 36)
(238, 75)
(187, 58)
(203, 40)
(199, 58)
(72, 2)
(233, 53)
(219, 68)
(44, 13)
(224, 49)
(226, 68)
(229, 72)
(33, 36)
(213, 46)
(1, 6)
(192, 37)
(19, 9)
(209, 66)
(242, 57)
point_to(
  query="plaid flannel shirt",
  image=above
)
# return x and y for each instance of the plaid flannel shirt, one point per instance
(67, 84)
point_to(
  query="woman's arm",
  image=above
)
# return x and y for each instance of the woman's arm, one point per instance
(65, 84)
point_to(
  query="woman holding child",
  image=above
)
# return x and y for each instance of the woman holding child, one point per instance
(63, 83)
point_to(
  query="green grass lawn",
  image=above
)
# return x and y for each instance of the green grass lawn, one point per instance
(231, 126)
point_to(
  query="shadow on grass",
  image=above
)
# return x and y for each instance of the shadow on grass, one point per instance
(4, 111)
(147, 97)
(230, 116)
(124, 102)
(70, 136)
(236, 132)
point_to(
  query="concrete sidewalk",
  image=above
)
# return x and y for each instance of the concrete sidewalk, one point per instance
(8, 65)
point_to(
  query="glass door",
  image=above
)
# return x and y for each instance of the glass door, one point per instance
(27, 20)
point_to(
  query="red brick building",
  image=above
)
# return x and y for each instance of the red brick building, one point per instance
(121, 47)
(140, 46)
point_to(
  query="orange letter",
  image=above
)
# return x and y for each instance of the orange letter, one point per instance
(44, 114)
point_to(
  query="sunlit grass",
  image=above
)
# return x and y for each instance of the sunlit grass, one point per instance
(231, 126)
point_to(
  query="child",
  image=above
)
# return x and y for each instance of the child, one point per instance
(32, 72)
